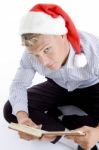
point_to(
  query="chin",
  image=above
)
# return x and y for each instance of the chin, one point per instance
(55, 67)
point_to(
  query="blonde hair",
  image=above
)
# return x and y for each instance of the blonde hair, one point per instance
(29, 39)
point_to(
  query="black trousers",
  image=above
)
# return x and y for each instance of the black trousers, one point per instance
(45, 98)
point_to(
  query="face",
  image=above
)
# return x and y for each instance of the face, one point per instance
(51, 50)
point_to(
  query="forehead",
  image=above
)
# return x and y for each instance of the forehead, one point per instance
(44, 40)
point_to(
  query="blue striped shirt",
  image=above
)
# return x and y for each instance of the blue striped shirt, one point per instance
(68, 76)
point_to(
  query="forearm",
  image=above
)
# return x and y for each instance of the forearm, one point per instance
(18, 88)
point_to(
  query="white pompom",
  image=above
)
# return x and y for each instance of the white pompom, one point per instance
(80, 60)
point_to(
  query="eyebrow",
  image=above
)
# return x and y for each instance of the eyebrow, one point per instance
(46, 46)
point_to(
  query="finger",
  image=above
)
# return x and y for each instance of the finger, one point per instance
(32, 124)
(83, 129)
(76, 140)
(48, 138)
(36, 126)
(69, 137)
(39, 126)
(29, 122)
(26, 136)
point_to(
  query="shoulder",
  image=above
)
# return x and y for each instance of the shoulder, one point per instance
(88, 38)
(89, 42)
(90, 46)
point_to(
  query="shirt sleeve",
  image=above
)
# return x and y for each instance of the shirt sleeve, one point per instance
(22, 80)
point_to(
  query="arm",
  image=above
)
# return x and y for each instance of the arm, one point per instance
(18, 93)
(89, 140)
(22, 80)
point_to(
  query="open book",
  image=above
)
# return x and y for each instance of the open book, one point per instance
(39, 133)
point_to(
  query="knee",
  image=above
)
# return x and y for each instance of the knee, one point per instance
(7, 110)
(7, 113)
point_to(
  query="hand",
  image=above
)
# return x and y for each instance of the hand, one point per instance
(89, 140)
(29, 122)
(23, 118)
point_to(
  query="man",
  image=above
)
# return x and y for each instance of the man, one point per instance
(69, 59)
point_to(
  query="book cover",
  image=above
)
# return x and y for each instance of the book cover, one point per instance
(39, 133)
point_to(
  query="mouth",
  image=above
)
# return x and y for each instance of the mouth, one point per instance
(50, 66)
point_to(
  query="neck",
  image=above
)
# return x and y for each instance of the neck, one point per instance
(67, 54)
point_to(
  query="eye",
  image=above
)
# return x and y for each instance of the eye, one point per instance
(46, 50)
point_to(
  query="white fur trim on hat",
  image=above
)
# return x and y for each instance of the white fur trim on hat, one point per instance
(42, 23)
(80, 60)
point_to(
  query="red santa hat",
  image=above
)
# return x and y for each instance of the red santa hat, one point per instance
(52, 20)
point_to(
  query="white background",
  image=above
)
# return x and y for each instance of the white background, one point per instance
(84, 13)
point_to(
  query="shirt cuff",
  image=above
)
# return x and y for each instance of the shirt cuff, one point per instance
(19, 107)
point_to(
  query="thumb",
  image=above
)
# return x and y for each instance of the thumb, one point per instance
(40, 126)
